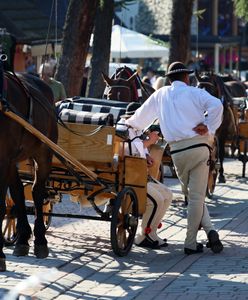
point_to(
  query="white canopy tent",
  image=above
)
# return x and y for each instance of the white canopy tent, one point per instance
(131, 44)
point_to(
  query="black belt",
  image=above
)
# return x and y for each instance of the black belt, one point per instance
(191, 147)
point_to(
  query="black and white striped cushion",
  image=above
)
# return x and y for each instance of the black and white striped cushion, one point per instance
(86, 117)
(93, 108)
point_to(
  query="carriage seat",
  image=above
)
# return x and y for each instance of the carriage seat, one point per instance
(116, 108)
(86, 117)
(87, 140)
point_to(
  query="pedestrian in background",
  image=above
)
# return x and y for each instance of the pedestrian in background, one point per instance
(46, 72)
(181, 111)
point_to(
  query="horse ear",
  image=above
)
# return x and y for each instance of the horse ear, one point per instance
(107, 80)
(197, 76)
(132, 78)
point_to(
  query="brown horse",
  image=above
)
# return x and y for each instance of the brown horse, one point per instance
(28, 97)
(126, 85)
(236, 87)
(228, 128)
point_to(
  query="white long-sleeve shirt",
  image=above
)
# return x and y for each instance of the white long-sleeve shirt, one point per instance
(137, 146)
(179, 108)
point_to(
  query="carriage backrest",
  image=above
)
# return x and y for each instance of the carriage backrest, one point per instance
(94, 106)
(84, 116)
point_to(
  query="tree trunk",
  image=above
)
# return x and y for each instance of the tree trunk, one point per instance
(180, 30)
(101, 48)
(76, 37)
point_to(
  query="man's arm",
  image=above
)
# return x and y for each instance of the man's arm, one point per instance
(144, 115)
(214, 109)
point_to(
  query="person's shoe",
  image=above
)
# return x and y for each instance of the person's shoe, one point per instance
(214, 242)
(164, 244)
(199, 249)
(146, 243)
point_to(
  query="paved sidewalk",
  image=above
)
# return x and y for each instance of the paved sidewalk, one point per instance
(88, 269)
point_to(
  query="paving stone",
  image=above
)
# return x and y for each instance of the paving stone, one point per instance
(88, 269)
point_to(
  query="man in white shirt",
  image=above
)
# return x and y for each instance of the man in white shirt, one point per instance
(181, 111)
(159, 197)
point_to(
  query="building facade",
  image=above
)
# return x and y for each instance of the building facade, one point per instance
(216, 35)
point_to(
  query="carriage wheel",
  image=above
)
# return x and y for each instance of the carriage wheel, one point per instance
(124, 221)
(213, 170)
(47, 208)
(9, 230)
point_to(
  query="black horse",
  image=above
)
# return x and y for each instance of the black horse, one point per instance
(228, 129)
(30, 98)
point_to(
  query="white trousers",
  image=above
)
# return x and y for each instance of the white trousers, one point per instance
(192, 170)
(159, 198)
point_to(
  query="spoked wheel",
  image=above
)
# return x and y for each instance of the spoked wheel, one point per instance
(213, 170)
(47, 208)
(9, 230)
(124, 221)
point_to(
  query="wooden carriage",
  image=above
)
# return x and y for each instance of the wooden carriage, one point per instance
(90, 165)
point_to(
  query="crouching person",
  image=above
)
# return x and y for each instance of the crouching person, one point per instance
(159, 197)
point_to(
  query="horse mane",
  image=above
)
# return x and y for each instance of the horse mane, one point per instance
(226, 95)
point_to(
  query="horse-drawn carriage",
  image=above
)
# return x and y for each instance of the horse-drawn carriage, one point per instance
(89, 164)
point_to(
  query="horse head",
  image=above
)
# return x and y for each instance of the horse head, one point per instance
(208, 82)
(120, 89)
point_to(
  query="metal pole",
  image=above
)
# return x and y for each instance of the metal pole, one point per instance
(216, 58)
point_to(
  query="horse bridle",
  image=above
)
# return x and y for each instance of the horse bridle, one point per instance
(119, 87)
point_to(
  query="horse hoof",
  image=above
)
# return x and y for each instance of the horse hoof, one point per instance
(21, 250)
(2, 264)
(41, 251)
(222, 180)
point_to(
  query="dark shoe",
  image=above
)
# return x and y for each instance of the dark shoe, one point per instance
(199, 249)
(165, 244)
(146, 243)
(214, 242)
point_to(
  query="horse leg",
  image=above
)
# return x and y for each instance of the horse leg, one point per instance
(23, 228)
(221, 157)
(39, 194)
(3, 191)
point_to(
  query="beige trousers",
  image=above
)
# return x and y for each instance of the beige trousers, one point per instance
(192, 170)
(159, 198)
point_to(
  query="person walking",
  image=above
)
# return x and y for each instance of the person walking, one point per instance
(159, 197)
(188, 118)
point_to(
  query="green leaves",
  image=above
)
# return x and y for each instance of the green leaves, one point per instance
(199, 13)
(241, 8)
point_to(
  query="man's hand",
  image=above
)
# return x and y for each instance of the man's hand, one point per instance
(150, 160)
(152, 139)
(201, 129)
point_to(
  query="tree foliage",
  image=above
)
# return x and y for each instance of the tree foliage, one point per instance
(241, 8)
